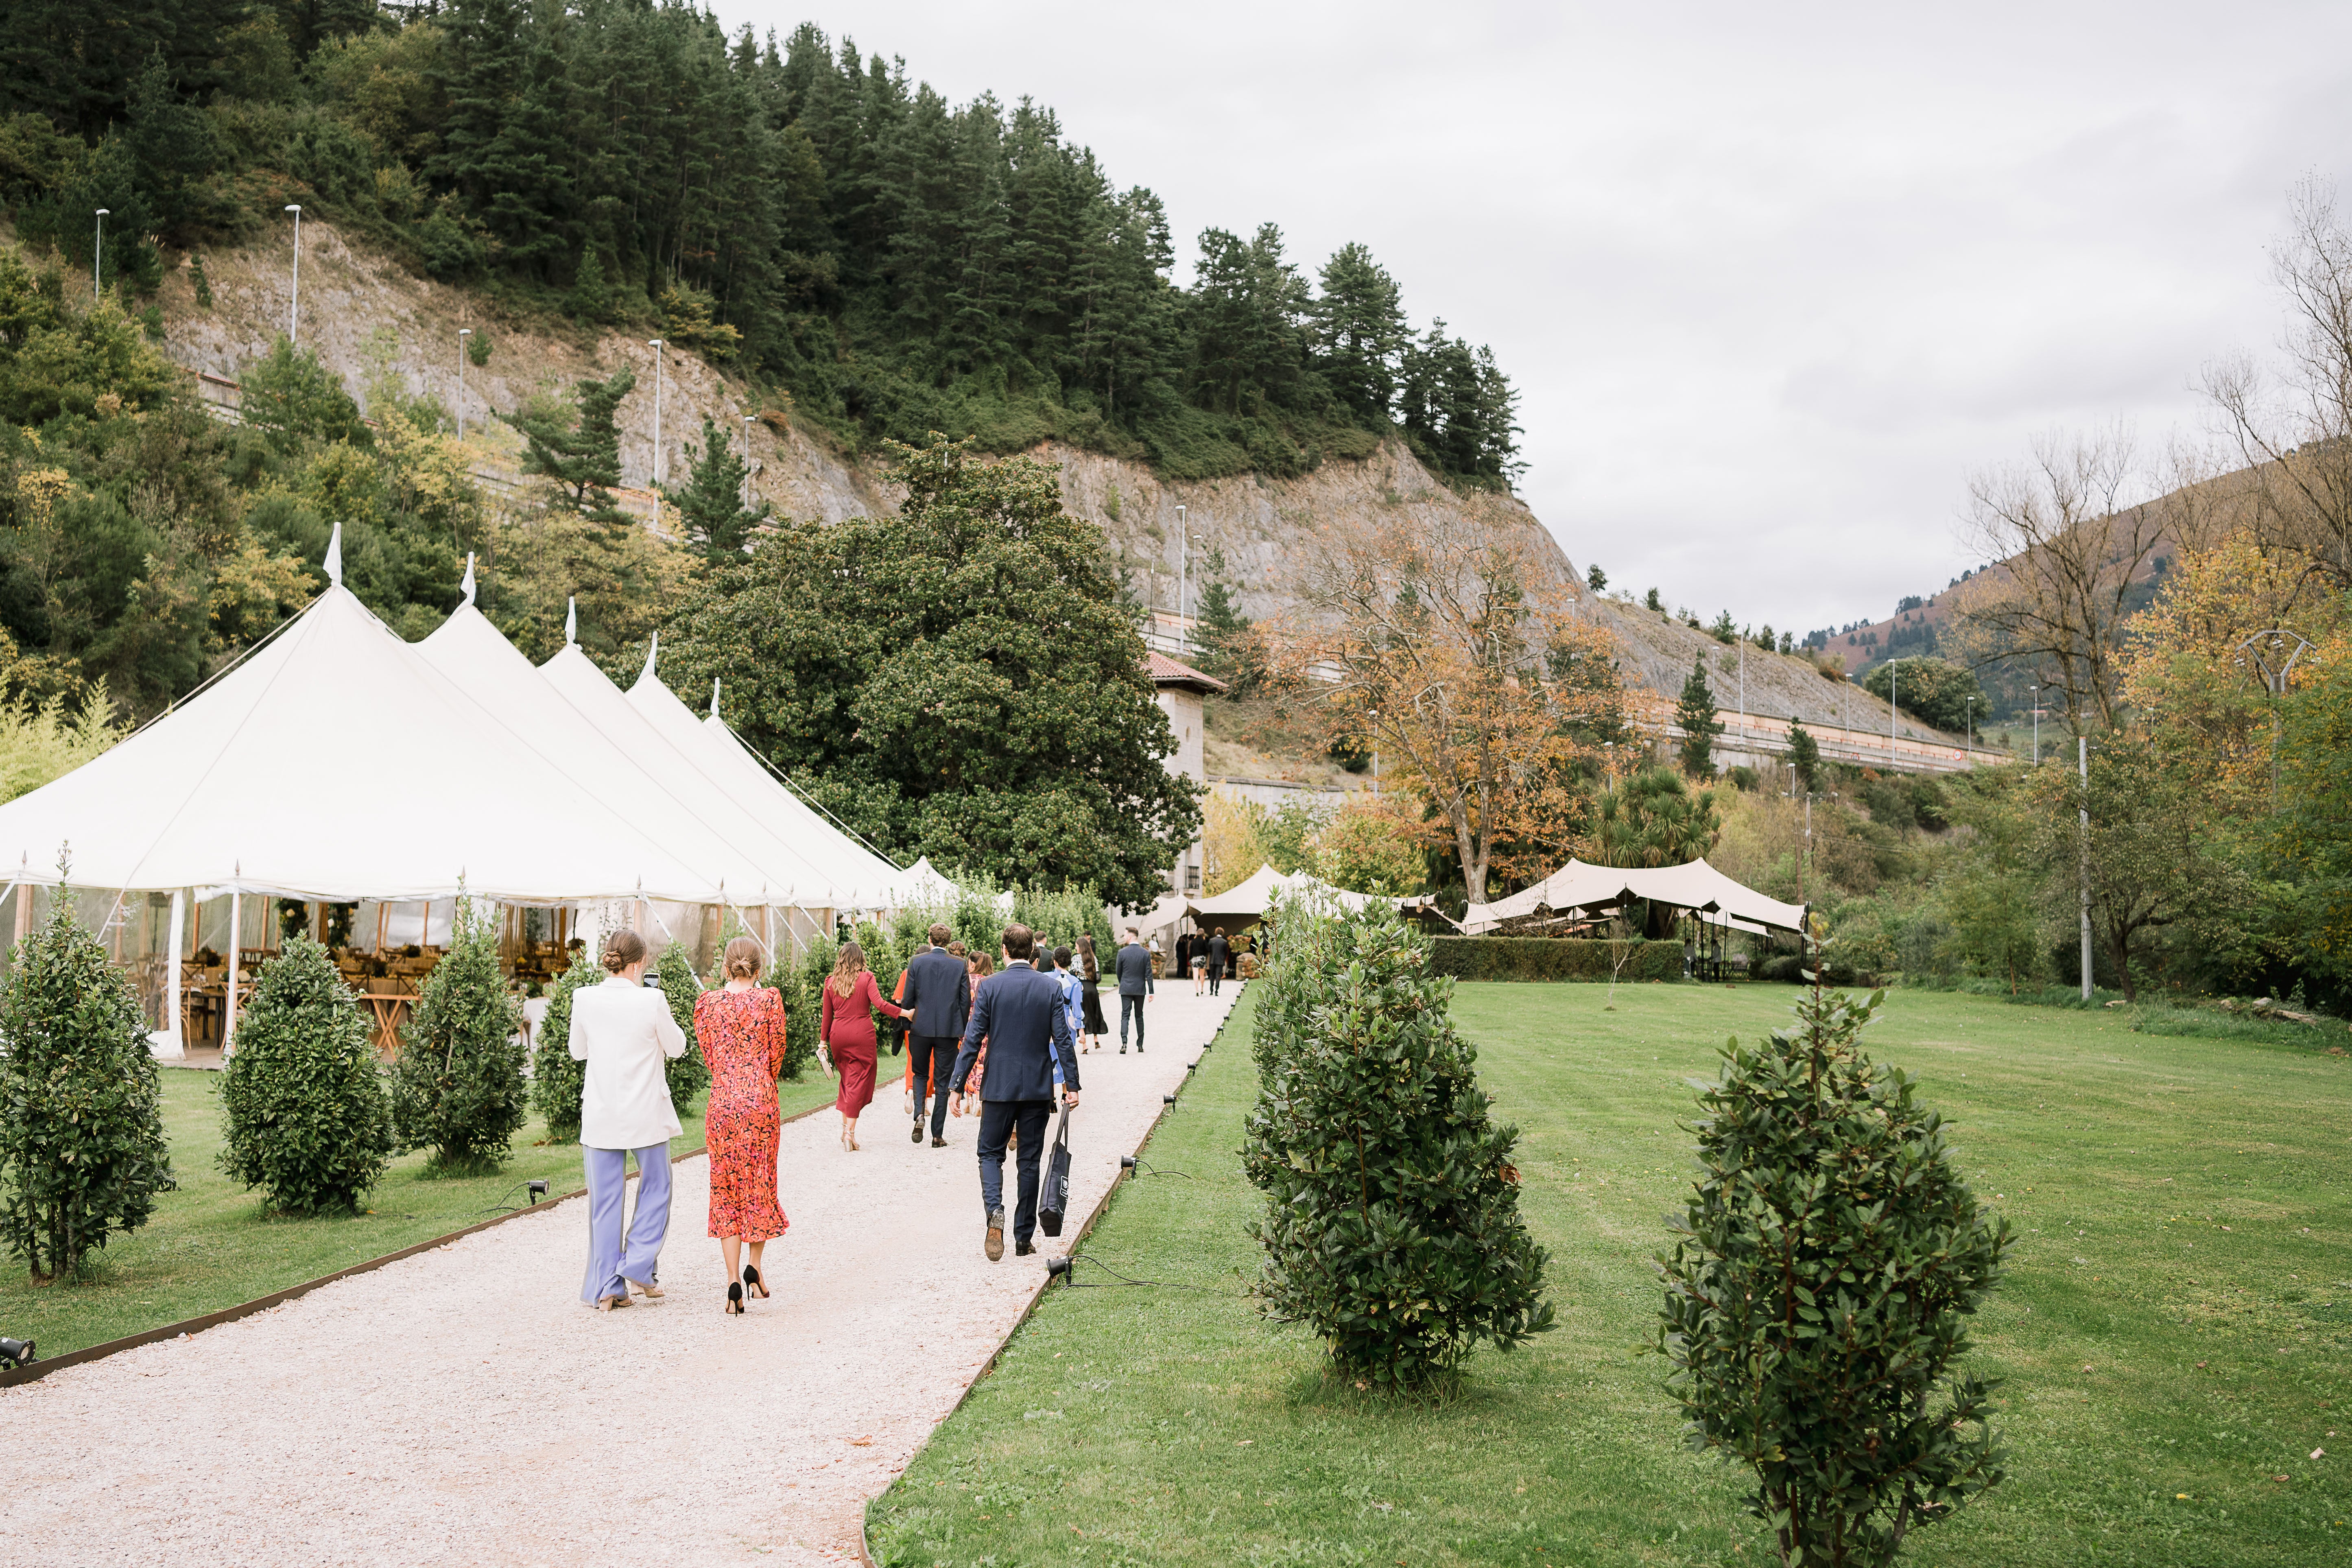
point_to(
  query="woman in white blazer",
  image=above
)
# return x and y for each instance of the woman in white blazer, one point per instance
(625, 1033)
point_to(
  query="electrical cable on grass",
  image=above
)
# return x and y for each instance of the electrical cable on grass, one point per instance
(1065, 1267)
(1144, 1168)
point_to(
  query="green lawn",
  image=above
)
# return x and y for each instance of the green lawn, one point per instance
(211, 1245)
(2175, 1321)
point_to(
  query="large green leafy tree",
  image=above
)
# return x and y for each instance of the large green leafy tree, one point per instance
(957, 681)
(82, 1155)
(1819, 1293)
(1392, 1226)
(304, 1115)
(457, 1086)
(1932, 690)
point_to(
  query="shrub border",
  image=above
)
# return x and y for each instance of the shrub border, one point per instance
(41, 1369)
(1543, 960)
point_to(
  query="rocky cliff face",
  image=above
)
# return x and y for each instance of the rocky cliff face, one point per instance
(366, 317)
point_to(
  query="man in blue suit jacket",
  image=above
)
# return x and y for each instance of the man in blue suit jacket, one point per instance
(938, 991)
(1019, 1013)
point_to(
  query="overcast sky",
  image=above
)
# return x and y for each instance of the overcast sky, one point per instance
(1771, 280)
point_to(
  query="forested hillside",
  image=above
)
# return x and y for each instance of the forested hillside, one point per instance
(897, 263)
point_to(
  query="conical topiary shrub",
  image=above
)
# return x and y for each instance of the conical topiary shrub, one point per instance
(557, 1081)
(1815, 1305)
(81, 1127)
(1392, 1222)
(304, 1115)
(457, 1088)
(688, 1074)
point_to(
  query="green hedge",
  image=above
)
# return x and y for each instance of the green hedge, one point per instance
(1550, 958)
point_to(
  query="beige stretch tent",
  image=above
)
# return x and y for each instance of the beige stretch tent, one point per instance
(1246, 902)
(1694, 885)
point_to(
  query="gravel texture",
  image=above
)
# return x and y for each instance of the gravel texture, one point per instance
(462, 1406)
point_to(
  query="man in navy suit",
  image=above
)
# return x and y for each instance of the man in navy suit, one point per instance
(1020, 1014)
(937, 993)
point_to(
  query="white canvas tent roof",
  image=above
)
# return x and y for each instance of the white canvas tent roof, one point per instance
(478, 660)
(1248, 901)
(335, 763)
(863, 879)
(1694, 885)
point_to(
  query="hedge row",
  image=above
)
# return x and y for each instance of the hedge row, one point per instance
(1551, 958)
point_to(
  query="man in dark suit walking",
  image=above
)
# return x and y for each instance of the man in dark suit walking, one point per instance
(1134, 985)
(1020, 1013)
(1221, 953)
(937, 994)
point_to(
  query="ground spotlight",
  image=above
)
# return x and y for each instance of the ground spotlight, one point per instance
(14, 1353)
(1055, 1267)
(1127, 1162)
(1191, 1066)
(537, 1191)
(1167, 1099)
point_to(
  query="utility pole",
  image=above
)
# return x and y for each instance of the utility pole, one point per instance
(98, 257)
(656, 344)
(294, 303)
(2083, 762)
(463, 334)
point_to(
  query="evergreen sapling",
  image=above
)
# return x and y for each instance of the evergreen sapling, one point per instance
(1392, 1225)
(557, 1081)
(1816, 1302)
(688, 1074)
(458, 1088)
(304, 1115)
(81, 1126)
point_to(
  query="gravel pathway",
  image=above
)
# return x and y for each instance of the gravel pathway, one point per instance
(462, 1406)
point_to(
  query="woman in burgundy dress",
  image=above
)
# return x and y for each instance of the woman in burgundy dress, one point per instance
(741, 1028)
(846, 1034)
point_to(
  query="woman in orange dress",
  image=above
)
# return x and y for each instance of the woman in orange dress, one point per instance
(846, 1034)
(981, 967)
(741, 1028)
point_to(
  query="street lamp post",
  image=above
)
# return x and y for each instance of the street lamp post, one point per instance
(463, 334)
(1891, 710)
(1970, 709)
(659, 472)
(748, 420)
(1372, 717)
(294, 301)
(2083, 762)
(98, 256)
(2034, 699)
(2270, 656)
(1184, 571)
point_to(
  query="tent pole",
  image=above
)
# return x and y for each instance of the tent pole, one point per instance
(235, 936)
(172, 1018)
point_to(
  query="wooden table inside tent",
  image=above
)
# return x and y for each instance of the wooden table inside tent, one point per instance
(390, 999)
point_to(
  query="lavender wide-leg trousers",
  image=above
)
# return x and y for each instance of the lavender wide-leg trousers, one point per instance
(608, 1262)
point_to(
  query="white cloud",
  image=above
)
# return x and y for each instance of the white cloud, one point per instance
(1771, 279)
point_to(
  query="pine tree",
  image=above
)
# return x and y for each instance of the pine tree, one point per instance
(592, 296)
(82, 1154)
(1392, 1225)
(710, 502)
(557, 1080)
(1360, 333)
(303, 1111)
(1695, 716)
(582, 456)
(688, 1074)
(1816, 1305)
(457, 1086)
(1804, 755)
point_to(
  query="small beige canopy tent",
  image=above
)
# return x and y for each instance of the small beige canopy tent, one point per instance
(1696, 886)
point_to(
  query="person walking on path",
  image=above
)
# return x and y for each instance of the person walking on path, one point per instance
(1200, 964)
(1074, 995)
(1221, 953)
(625, 1033)
(937, 993)
(1134, 985)
(965, 1101)
(1183, 955)
(1097, 1029)
(846, 1034)
(1022, 1016)
(741, 1028)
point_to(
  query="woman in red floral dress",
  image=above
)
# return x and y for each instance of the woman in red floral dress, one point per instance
(741, 1030)
(847, 1035)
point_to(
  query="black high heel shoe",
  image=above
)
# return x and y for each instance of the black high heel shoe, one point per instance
(734, 1300)
(752, 1281)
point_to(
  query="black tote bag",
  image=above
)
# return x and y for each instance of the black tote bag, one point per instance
(1055, 1201)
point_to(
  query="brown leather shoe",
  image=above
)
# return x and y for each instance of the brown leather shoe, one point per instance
(995, 1245)
(938, 1142)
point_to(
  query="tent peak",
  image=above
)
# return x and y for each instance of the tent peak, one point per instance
(714, 696)
(653, 652)
(335, 560)
(467, 587)
(571, 620)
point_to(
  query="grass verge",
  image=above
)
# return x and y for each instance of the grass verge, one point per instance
(211, 1245)
(2176, 1322)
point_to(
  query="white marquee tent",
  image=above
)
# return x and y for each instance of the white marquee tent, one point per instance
(1693, 886)
(339, 764)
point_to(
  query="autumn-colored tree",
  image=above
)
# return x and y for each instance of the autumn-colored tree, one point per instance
(1445, 633)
